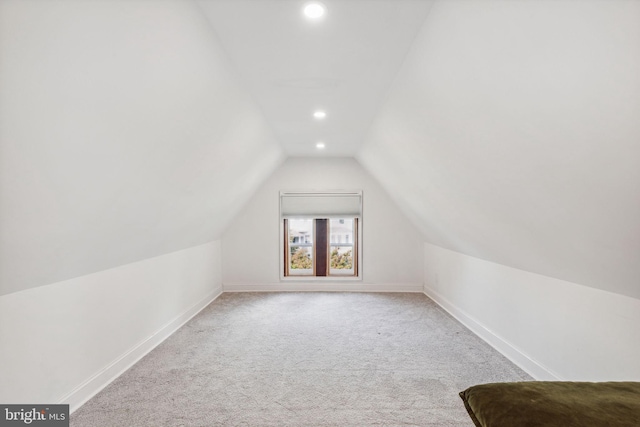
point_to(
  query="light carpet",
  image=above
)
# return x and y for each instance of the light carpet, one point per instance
(305, 359)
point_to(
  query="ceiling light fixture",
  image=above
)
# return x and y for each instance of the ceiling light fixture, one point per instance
(314, 10)
(320, 145)
(319, 115)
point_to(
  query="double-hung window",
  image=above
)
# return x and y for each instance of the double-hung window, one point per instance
(321, 234)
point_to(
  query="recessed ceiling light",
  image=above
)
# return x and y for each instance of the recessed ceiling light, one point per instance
(314, 10)
(320, 145)
(319, 115)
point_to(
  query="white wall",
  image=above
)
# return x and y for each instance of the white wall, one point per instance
(392, 247)
(512, 134)
(125, 135)
(63, 342)
(552, 328)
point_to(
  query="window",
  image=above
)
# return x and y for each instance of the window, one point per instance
(320, 235)
(314, 247)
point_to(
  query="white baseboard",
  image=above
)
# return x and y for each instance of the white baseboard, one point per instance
(511, 352)
(323, 287)
(85, 391)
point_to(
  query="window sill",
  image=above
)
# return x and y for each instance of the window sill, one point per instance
(320, 279)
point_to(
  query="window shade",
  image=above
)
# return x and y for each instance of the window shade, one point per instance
(320, 204)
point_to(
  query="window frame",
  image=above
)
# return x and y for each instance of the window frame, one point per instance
(283, 265)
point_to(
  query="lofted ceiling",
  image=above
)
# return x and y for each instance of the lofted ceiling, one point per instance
(512, 134)
(343, 63)
(505, 130)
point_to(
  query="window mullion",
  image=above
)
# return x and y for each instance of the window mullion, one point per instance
(321, 247)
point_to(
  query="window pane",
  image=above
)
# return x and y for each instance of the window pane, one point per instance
(301, 261)
(341, 230)
(301, 231)
(342, 258)
(300, 246)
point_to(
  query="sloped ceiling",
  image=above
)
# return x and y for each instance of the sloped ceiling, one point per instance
(125, 134)
(512, 134)
(342, 64)
(130, 129)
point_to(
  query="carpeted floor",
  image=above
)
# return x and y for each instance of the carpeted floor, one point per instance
(305, 359)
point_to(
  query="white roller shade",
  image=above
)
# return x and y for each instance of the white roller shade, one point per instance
(320, 204)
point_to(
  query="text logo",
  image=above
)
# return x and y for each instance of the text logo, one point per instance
(34, 415)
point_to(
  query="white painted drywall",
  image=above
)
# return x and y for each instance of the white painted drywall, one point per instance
(392, 246)
(512, 134)
(552, 328)
(63, 342)
(125, 134)
(343, 64)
